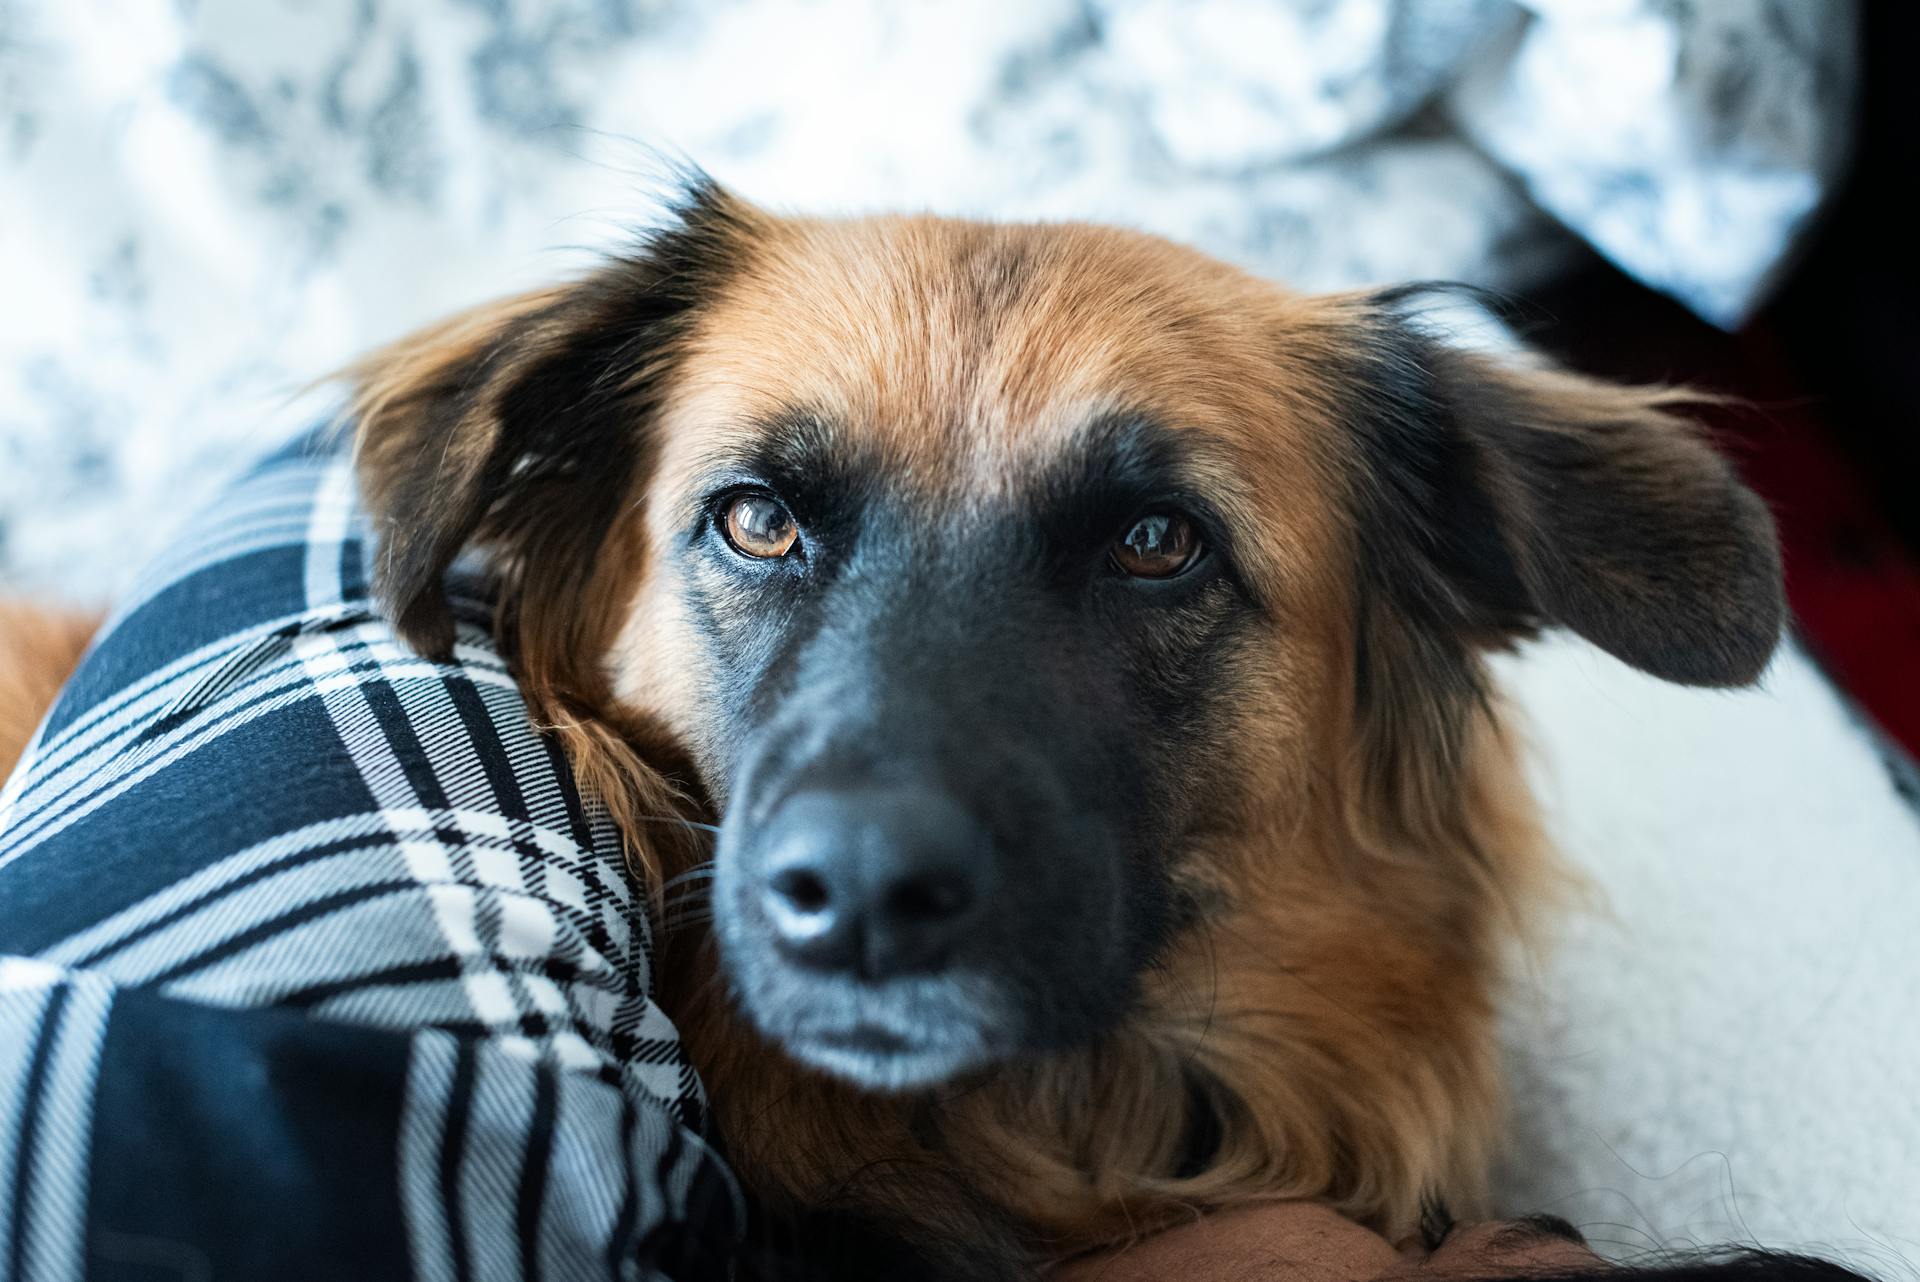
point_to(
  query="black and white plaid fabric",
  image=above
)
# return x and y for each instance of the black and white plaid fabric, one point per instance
(312, 960)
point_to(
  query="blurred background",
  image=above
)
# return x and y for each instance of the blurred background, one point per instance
(206, 204)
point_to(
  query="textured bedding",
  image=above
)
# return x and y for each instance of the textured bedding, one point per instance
(312, 961)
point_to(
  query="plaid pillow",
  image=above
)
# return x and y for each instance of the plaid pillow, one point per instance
(313, 961)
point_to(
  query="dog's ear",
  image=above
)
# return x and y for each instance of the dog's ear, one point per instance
(1499, 496)
(519, 425)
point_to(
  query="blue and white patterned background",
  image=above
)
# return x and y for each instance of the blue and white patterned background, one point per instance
(207, 203)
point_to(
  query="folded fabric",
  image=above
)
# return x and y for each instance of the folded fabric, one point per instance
(313, 961)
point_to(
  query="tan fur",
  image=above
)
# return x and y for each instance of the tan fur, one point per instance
(1343, 1001)
(39, 649)
(1341, 997)
(555, 627)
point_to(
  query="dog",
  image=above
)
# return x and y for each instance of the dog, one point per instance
(1078, 645)
(39, 649)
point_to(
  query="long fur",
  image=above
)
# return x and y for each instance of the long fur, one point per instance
(1327, 1029)
(40, 647)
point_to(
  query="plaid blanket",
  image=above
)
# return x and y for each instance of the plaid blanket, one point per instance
(313, 961)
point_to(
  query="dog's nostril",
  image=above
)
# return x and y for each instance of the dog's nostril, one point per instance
(803, 890)
(929, 899)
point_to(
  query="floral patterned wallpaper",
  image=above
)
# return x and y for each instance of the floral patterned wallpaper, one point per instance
(205, 204)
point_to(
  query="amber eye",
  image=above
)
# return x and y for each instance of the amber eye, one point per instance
(758, 526)
(1158, 546)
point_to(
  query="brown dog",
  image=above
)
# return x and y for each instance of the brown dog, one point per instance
(1079, 644)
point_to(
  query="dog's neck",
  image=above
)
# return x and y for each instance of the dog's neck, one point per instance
(1341, 1048)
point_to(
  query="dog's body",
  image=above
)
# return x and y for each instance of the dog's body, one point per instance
(1080, 643)
(39, 649)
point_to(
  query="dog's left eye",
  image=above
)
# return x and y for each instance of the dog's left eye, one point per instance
(757, 525)
(1158, 546)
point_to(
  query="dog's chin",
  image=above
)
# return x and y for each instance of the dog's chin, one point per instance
(885, 1064)
(897, 1036)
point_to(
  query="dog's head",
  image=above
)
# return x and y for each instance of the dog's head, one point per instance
(1021, 595)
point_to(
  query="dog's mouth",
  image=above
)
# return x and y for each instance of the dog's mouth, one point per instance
(864, 1039)
(882, 932)
(905, 1034)
(882, 1058)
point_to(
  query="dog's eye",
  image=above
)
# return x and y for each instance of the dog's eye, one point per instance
(758, 526)
(1158, 546)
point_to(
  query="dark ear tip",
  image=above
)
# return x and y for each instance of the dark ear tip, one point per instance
(1730, 650)
(1757, 617)
(425, 623)
(1725, 663)
(1741, 661)
(1718, 626)
(1748, 658)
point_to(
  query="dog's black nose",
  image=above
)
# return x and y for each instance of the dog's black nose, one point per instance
(880, 881)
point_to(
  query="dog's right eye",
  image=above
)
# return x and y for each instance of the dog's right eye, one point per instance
(759, 526)
(1160, 545)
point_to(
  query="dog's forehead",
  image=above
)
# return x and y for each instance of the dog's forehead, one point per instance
(960, 354)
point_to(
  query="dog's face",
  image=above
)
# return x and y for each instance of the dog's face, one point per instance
(970, 587)
(1020, 596)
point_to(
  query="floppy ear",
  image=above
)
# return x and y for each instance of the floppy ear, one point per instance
(519, 425)
(1502, 496)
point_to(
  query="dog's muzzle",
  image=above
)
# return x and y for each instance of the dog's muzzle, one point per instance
(869, 896)
(872, 882)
